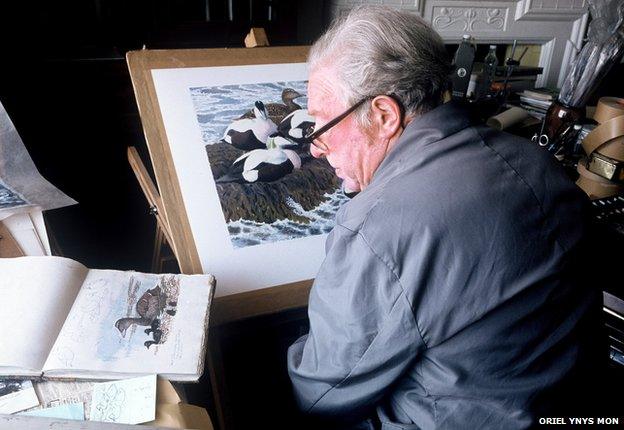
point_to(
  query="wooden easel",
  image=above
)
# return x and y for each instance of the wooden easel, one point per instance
(162, 237)
(170, 204)
(8, 245)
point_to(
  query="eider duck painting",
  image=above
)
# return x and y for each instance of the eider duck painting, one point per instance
(262, 165)
(250, 133)
(260, 179)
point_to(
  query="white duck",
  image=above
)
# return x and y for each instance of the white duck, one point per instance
(250, 133)
(295, 125)
(262, 165)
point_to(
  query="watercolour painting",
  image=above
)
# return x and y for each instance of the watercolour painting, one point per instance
(139, 314)
(295, 205)
(250, 233)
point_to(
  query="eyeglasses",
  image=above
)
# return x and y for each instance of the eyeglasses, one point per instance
(311, 134)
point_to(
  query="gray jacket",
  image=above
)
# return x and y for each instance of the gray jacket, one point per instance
(448, 297)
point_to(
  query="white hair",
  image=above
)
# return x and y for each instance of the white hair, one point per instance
(376, 50)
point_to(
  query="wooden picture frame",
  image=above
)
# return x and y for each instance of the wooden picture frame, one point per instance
(141, 65)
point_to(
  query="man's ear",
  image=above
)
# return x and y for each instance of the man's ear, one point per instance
(386, 116)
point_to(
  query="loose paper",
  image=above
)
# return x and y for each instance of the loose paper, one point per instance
(56, 393)
(21, 185)
(16, 396)
(27, 234)
(70, 411)
(129, 401)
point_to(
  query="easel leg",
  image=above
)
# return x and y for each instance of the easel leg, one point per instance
(159, 239)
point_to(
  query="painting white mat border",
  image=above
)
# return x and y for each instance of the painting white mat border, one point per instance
(242, 269)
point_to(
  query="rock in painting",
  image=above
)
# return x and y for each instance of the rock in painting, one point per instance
(267, 202)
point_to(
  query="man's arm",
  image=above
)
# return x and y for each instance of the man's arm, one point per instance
(363, 334)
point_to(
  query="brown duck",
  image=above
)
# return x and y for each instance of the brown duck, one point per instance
(149, 307)
(277, 111)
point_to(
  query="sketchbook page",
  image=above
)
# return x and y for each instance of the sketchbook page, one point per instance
(37, 293)
(133, 323)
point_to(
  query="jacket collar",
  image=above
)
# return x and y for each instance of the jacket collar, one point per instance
(430, 127)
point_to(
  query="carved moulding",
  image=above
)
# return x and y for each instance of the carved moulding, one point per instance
(468, 19)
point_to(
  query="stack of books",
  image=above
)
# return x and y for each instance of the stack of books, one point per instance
(613, 310)
(537, 101)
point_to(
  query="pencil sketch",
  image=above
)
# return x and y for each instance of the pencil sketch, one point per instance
(10, 198)
(66, 356)
(88, 312)
(109, 407)
(270, 188)
(155, 308)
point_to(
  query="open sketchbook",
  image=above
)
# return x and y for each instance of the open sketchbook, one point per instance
(61, 320)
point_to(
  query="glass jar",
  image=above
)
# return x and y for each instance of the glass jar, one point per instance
(559, 119)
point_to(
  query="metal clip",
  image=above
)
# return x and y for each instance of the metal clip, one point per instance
(606, 167)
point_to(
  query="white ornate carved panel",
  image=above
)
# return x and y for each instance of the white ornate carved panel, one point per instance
(557, 25)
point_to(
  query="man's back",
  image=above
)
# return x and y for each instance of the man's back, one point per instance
(473, 239)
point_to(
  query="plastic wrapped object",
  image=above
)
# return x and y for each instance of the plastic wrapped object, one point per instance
(604, 47)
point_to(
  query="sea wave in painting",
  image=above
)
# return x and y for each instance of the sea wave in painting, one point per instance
(249, 233)
(217, 107)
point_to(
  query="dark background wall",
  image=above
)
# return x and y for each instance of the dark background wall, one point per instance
(65, 84)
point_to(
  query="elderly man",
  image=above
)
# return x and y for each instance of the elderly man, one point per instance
(449, 296)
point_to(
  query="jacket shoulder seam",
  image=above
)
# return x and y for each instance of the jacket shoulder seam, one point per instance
(522, 178)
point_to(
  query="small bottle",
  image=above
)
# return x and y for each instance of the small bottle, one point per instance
(463, 60)
(489, 71)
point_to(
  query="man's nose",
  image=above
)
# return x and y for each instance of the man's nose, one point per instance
(316, 152)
